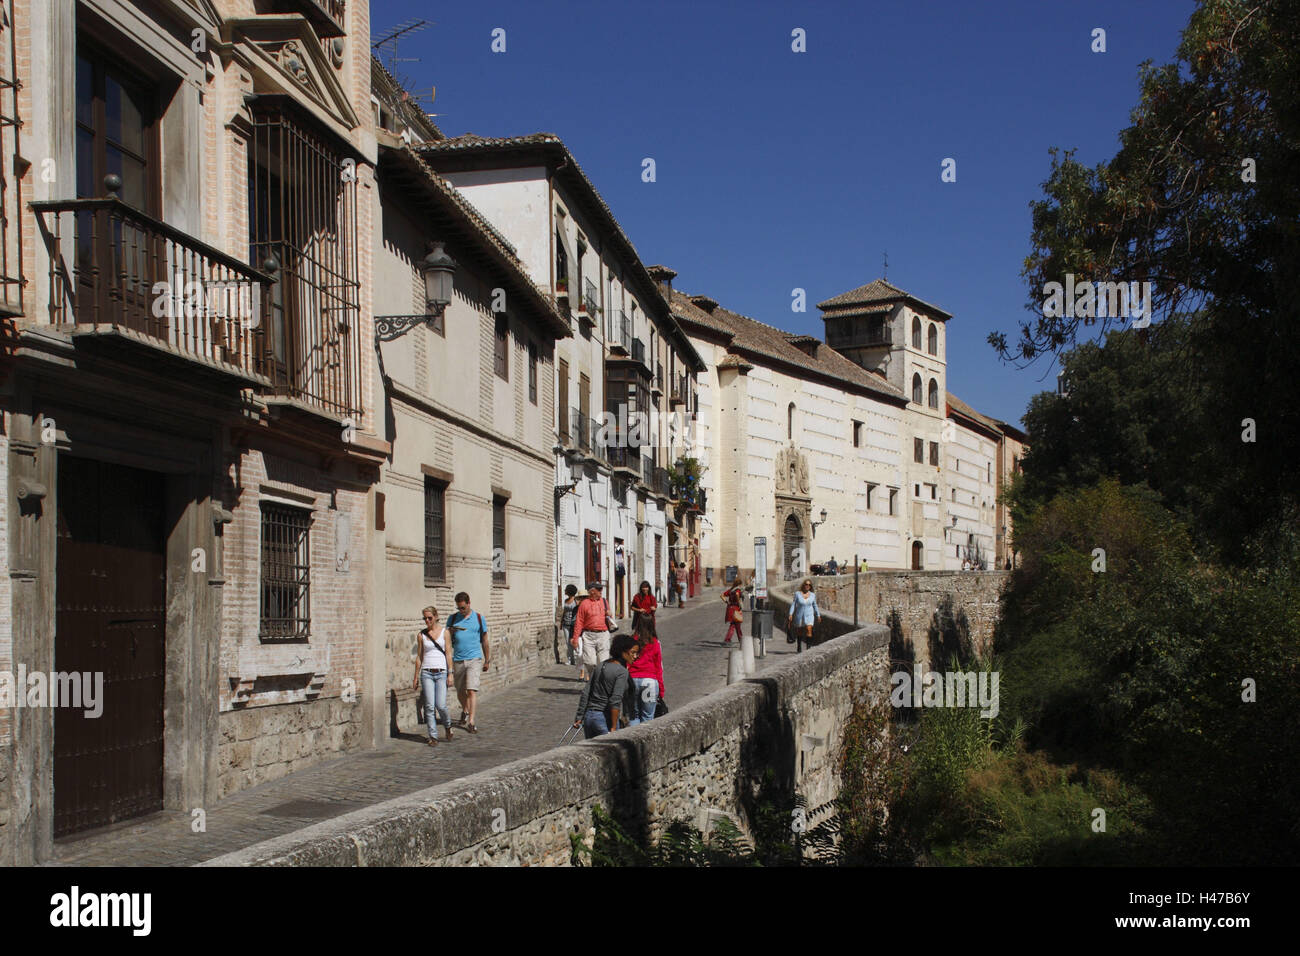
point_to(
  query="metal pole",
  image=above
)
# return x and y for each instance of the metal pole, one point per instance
(857, 564)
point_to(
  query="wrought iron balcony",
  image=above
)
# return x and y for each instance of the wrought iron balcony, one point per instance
(113, 268)
(647, 471)
(620, 332)
(580, 430)
(589, 297)
(638, 352)
(622, 458)
(681, 391)
(661, 484)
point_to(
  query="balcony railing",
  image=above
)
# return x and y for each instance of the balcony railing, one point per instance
(661, 484)
(598, 446)
(589, 299)
(580, 430)
(107, 259)
(620, 331)
(647, 471)
(638, 351)
(681, 391)
(857, 333)
(659, 377)
(620, 457)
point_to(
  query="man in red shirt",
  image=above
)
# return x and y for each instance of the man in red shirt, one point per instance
(591, 628)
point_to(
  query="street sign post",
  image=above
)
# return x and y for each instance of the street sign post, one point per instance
(760, 568)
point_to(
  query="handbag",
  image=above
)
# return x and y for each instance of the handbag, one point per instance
(661, 708)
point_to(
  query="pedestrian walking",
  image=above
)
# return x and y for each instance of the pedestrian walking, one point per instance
(608, 696)
(470, 658)
(644, 605)
(670, 597)
(431, 674)
(804, 612)
(646, 671)
(681, 584)
(568, 614)
(592, 627)
(734, 616)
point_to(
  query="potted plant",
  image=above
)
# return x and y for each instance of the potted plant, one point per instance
(562, 286)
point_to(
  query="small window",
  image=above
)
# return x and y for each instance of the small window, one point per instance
(918, 450)
(934, 492)
(916, 491)
(934, 393)
(871, 490)
(789, 422)
(916, 333)
(954, 495)
(857, 434)
(532, 372)
(498, 541)
(916, 389)
(435, 531)
(988, 467)
(286, 573)
(501, 354)
(893, 501)
(933, 342)
(934, 453)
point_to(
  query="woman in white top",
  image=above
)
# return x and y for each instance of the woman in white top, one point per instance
(431, 669)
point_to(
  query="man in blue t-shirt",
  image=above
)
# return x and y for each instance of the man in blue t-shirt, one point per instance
(470, 657)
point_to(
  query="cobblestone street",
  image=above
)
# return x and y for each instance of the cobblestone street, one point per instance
(527, 719)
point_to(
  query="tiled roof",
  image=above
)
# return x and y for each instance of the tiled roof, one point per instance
(757, 340)
(451, 201)
(877, 291)
(955, 404)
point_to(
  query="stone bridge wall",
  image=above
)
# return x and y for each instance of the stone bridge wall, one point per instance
(711, 755)
(936, 610)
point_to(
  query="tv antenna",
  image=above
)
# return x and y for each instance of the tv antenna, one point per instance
(885, 268)
(387, 48)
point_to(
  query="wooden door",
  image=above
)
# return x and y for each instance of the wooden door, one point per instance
(109, 620)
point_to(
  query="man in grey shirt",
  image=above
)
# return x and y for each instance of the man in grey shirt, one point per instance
(609, 692)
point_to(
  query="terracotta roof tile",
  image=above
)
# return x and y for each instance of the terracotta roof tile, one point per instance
(757, 339)
(876, 291)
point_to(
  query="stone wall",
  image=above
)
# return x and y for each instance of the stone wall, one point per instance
(935, 612)
(264, 743)
(707, 758)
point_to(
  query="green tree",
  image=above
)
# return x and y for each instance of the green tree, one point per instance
(1203, 201)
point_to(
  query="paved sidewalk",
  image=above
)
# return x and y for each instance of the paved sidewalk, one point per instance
(525, 719)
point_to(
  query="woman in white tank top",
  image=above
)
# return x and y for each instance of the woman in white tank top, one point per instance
(431, 672)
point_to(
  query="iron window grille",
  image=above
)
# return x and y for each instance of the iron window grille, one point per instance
(286, 573)
(532, 373)
(501, 349)
(303, 214)
(435, 531)
(918, 450)
(498, 541)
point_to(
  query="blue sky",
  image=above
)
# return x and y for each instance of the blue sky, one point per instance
(777, 170)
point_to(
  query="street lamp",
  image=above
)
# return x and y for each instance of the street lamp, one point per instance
(816, 523)
(439, 271)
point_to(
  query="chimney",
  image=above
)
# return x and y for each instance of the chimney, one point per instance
(704, 303)
(663, 277)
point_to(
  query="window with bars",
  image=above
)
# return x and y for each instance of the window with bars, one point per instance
(532, 372)
(435, 528)
(303, 214)
(501, 349)
(918, 450)
(498, 541)
(286, 573)
(11, 190)
(934, 453)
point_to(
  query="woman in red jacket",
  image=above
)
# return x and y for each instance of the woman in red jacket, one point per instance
(734, 617)
(647, 671)
(644, 605)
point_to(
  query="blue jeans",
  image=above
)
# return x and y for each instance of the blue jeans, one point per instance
(434, 685)
(647, 698)
(594, 724)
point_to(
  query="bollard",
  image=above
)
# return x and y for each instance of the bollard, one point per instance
(747, 653)
(735, 666)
